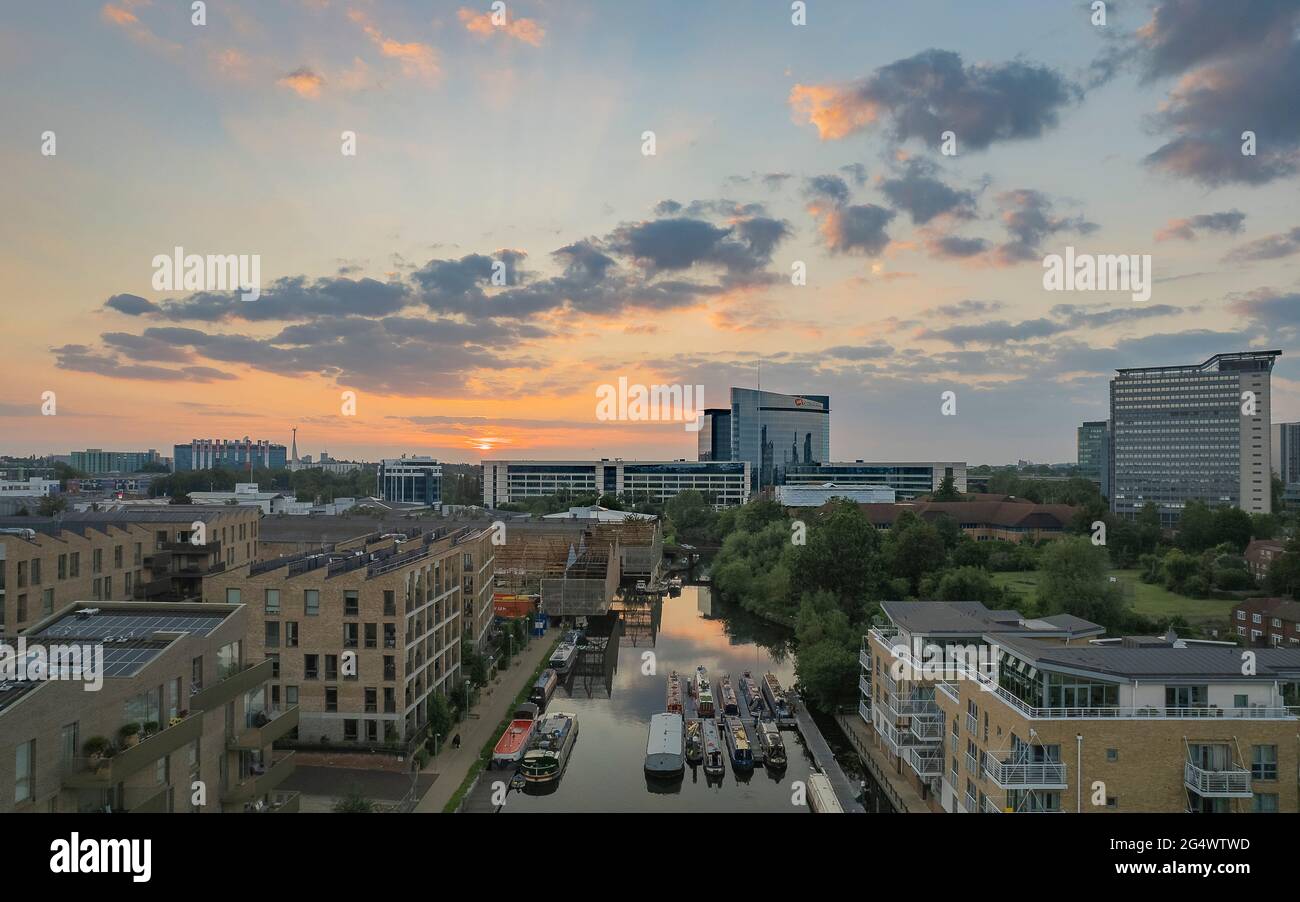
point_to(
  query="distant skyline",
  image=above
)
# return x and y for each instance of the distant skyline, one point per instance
(777, 149)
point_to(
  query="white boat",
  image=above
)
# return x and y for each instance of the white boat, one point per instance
(665, 752)
(714, 755)
(769, 739)
(510, 748)
(821, 795)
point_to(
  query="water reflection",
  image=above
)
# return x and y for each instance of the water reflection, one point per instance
(615, 693)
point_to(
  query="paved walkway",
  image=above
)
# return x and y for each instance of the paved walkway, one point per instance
(844, 790)
(902, 794)
(450, 767)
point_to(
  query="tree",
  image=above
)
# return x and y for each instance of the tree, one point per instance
(354, 803)
(1196, 527)
(947, 491)
(440, 717)
(913, 548)
(827, 663)
(1232, 525)
(839, 556)
(51, 505)
(968, 584)
(1075, 580)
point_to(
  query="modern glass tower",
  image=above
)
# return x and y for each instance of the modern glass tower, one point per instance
(1286, 452)
(1194, 432)
(772, 431)
(1094, 453)
(715, 435)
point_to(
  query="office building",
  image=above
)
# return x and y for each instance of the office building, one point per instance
(1042, 715)
(1286, 452)
(361, 635)
(984, 521)
(96, 461)
(237, 454)
(771, 431)
(817, 495)
(146, 554)
(410, 480)
(1197, 432)
(722, 483)
(907, 479)
(715, 434)
(32, 487)
(1093, 456)
(179, 705)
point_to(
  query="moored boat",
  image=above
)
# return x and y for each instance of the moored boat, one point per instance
(694, 741)
(713, 753)
(776, 698)
(544, 688)
(564, 655)
(730, 704)
(821, 795)
(552, 742)
(665, 751)
(769, 737)
(742, 755)
(673, 705)
(514, 741)
(749, 689)
(703, 693)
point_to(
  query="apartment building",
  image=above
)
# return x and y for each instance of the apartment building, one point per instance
(1268, 622)
(726, 482)
(361, 638)
(985, 711)
(181, 722)
(1192, 432)
(984, 521)
(149, 554)
(1260, 555)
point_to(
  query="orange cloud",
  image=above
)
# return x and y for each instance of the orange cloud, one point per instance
(303, 82)
(481, 24)
(834, 111)
(119, 15)
(417, 60)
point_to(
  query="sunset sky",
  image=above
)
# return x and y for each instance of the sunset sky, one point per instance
(522, 143)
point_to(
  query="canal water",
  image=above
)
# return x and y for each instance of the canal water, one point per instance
(604, 772)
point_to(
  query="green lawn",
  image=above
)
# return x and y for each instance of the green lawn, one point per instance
(1150, 600)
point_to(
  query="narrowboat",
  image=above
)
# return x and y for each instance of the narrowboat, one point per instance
(563, 657)
(665, 750)
(694, 741)
(782, 710)
(703, 693)
(742, 756)
(544, 688)
(673, 705)
(769, 737)
(749, 689)
(514, 741)
(730, 704)
(552, 742)
(821, 795)
(713, 753)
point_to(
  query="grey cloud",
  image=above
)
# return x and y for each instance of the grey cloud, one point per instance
(1271, 247)
(1028, 218)
(918, 191)
(1185, 229)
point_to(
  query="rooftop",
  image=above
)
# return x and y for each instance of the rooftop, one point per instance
(972, 618)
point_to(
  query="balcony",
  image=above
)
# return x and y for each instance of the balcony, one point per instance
(1233, 783)
(927, 762)
(278, 723)
(242, 680)
(864, 686)
(950, 690)
(281, 803)
(85, 773)
(254, 786)
(1019, 774)
(990, 806)
(927, 727)
(864, 710)
(864, 658)
(888, 681)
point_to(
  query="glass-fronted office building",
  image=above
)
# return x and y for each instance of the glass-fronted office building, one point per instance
(1193, 432)
(410, 480)
(771, 432)
(723, 483)
(1286, 452)
(1093, 454)
(907, 479)
(237, 454)
(715, 435)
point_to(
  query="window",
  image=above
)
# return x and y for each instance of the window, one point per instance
(68, 744)
(63, 566)
(390, 635)
(390, 603)
(350, 730)
(117, 557)
(390, 700)
(137, 554)
(372, 730)
(1112, 802)
(232, 596)
(311, 667)
(390, 667)
(349, 635)
(291, 634)
(74, 564)
(1265, 802)
(372, 701)
(332, 701)
(24, 762)
(351, 604)
(275, 667)
(47, 602)
(291, 695)
(372, 635)
(272, 634)
(1186, 696)
(311, 602)
(331, 667)
(1112, 754)
(1263, 764)
(272, 605)
(36, 571)
(97, 560)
